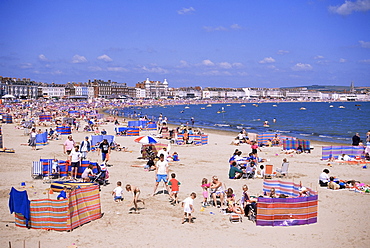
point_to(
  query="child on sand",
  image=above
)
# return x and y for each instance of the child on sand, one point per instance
(118, 192)
(187, 204)
(135, 196)
(174, 185)
(63, 193)
(205, 185)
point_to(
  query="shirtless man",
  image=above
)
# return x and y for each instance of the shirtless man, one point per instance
(218, 190)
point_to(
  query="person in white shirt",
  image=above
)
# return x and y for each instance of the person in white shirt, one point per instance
(188, 205)
(118, 192)
(164, 152)
(161, 173)
(88, 175)
(324, 178)
(75, 158)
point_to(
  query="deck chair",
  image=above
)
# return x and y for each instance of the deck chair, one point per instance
(283, 172)
(269, 171)
(235, 218)
(37, 170)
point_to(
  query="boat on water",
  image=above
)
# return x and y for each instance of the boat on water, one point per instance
(209, 105)
(331, 106)
(256, 105)
(341, 106)
(264, 125)
(202, 108)
(274, 105)
(187, 107)
(303, 108)
(242, 105)
(228, 105)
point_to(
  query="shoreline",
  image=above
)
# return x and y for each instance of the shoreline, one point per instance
(217, 131)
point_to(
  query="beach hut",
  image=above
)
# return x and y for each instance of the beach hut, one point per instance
(81, 206)
(291, 211)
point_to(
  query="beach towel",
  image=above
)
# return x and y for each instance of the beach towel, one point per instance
(19, 203)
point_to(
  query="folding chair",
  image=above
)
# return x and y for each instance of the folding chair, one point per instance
(284, 170)
(37, 169)
(269, 171)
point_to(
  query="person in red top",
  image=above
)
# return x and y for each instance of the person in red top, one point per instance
(174, 184)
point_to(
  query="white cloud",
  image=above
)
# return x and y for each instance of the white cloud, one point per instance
(237, 65)
(222, 28)
(281, 52)
(302, 67)
(216, 73)
(105, 58)
(267, 60)
(211, 29)
(348, 7)
(365, 61)
(57, 72)
(342, 60)
(155, 70)
(42, 57)
(78, 59)
(183, 64)
(318, 57)
(184, 11)
(95, 68)
(225, 65)
(117, 69)
(207, 62)
(235, 26)
(243, 73)
(26, 65)
(364, 44)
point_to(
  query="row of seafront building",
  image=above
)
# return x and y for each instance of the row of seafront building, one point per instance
(27, 89)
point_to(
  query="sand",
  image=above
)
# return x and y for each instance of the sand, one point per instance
(342, 217)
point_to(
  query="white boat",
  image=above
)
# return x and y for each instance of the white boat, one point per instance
(274, 105)
(242, 105)
(209, 105)
(187, 107)
(303, 108)
(331, 106)
(341, 107)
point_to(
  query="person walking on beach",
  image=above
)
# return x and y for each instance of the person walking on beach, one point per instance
(32, 141)
(161, 173)
(85, 147)
(188, 205)
(356, 139)
(68, 145)
(105, 150)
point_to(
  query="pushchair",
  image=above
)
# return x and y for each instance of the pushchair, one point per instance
(250, 212)
(102, 175)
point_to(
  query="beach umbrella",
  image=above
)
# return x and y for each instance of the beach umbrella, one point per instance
(146, 140)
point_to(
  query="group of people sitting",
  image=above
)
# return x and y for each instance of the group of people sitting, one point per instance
(334, 183)
(245, 167)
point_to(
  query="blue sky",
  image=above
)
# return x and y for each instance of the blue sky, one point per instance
(235, 43)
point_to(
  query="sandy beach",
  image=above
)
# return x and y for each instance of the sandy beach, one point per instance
(342, 217)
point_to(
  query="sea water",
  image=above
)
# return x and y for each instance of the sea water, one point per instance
(320, 121)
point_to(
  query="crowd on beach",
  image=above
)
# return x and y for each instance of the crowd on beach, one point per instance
(84, 117)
